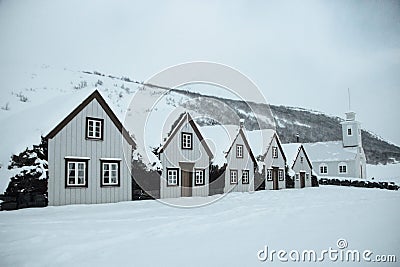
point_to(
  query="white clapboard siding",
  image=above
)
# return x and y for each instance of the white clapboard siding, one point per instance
(271, 162)
(173, 155)
(70, 141)
(239, 164)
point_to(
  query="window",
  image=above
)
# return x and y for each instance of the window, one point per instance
(199, 177)
(110, 174)
(172, 177)
(245, 176)
(323, 169)
(301, 159)
(187, 140)
(76, 172)
(274, 152)
(234, 176)
(307, 176)
(297, 177)
(280, 175)
(269, 175)
(349, 130)
(239, 151)
(94, 128)
(342, 167)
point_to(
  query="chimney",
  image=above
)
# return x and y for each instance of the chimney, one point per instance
(297, 138)
(241, 123)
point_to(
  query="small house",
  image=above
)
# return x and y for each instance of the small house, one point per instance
(89, 156)
(299, 165)
(185, 158)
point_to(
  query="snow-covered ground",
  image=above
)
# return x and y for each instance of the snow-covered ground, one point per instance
(230, 232)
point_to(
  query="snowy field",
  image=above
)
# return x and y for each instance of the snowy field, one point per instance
(229, 232)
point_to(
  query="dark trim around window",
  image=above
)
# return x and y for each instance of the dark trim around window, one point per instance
(101, 129)
(204, 176)
(177, 176)
(86, 161)
(237, 156)
(248, 176)
(230, 176)
(118, 173)
(191, 140)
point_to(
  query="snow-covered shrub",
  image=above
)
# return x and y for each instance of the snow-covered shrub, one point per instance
(28, 187)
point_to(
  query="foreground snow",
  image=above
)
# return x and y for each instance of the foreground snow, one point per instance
(229, 232)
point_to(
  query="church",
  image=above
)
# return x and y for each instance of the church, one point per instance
(344, 158)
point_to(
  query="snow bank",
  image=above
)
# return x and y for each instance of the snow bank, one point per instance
(229, 232)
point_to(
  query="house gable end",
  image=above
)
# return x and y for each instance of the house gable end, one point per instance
(95, 95)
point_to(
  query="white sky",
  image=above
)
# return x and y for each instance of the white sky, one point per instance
(300, 53)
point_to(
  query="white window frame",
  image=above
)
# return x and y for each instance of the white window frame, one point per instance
(280, 175)
(297, 176)
(76, 177)
(199, 176)
(239, 151)
(172, 177)
(307, 176)
(113, 174)
(342, 168)
(269, 174)
(324, 168)
(233, 176)
(187, 141)
(275, 152)
(94, 128)
(245, 178)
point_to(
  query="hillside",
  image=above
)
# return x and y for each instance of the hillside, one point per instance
(27, 106)
(312, 126)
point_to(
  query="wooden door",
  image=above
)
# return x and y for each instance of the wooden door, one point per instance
(275, 178)
(302, 179)
(186, 189)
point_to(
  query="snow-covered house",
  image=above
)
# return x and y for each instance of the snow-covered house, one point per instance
(185, 158)
(344, 158)
(89, 156)
(274, 161)
(241, 164)
(299, 165)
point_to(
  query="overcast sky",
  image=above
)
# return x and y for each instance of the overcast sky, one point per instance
(299, 53)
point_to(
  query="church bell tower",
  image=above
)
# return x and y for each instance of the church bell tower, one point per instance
(351, 131)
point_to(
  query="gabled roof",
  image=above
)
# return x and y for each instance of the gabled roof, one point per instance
(330, 151)
(292, 151)
(95, 95)
(241, 132)
(278, 141)
(187, 118)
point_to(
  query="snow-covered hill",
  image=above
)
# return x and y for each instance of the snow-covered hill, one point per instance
(230, 232)
(38, 98)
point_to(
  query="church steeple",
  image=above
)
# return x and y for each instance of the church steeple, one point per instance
(351, 131)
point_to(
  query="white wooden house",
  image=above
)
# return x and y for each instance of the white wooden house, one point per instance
(299, 165)
(89, 156)
(241, 164)
(274, 160)
(185, 158)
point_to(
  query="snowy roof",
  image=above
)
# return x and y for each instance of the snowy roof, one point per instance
(260, 140)
(291, 150)
(330, 151)
(220, 138)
